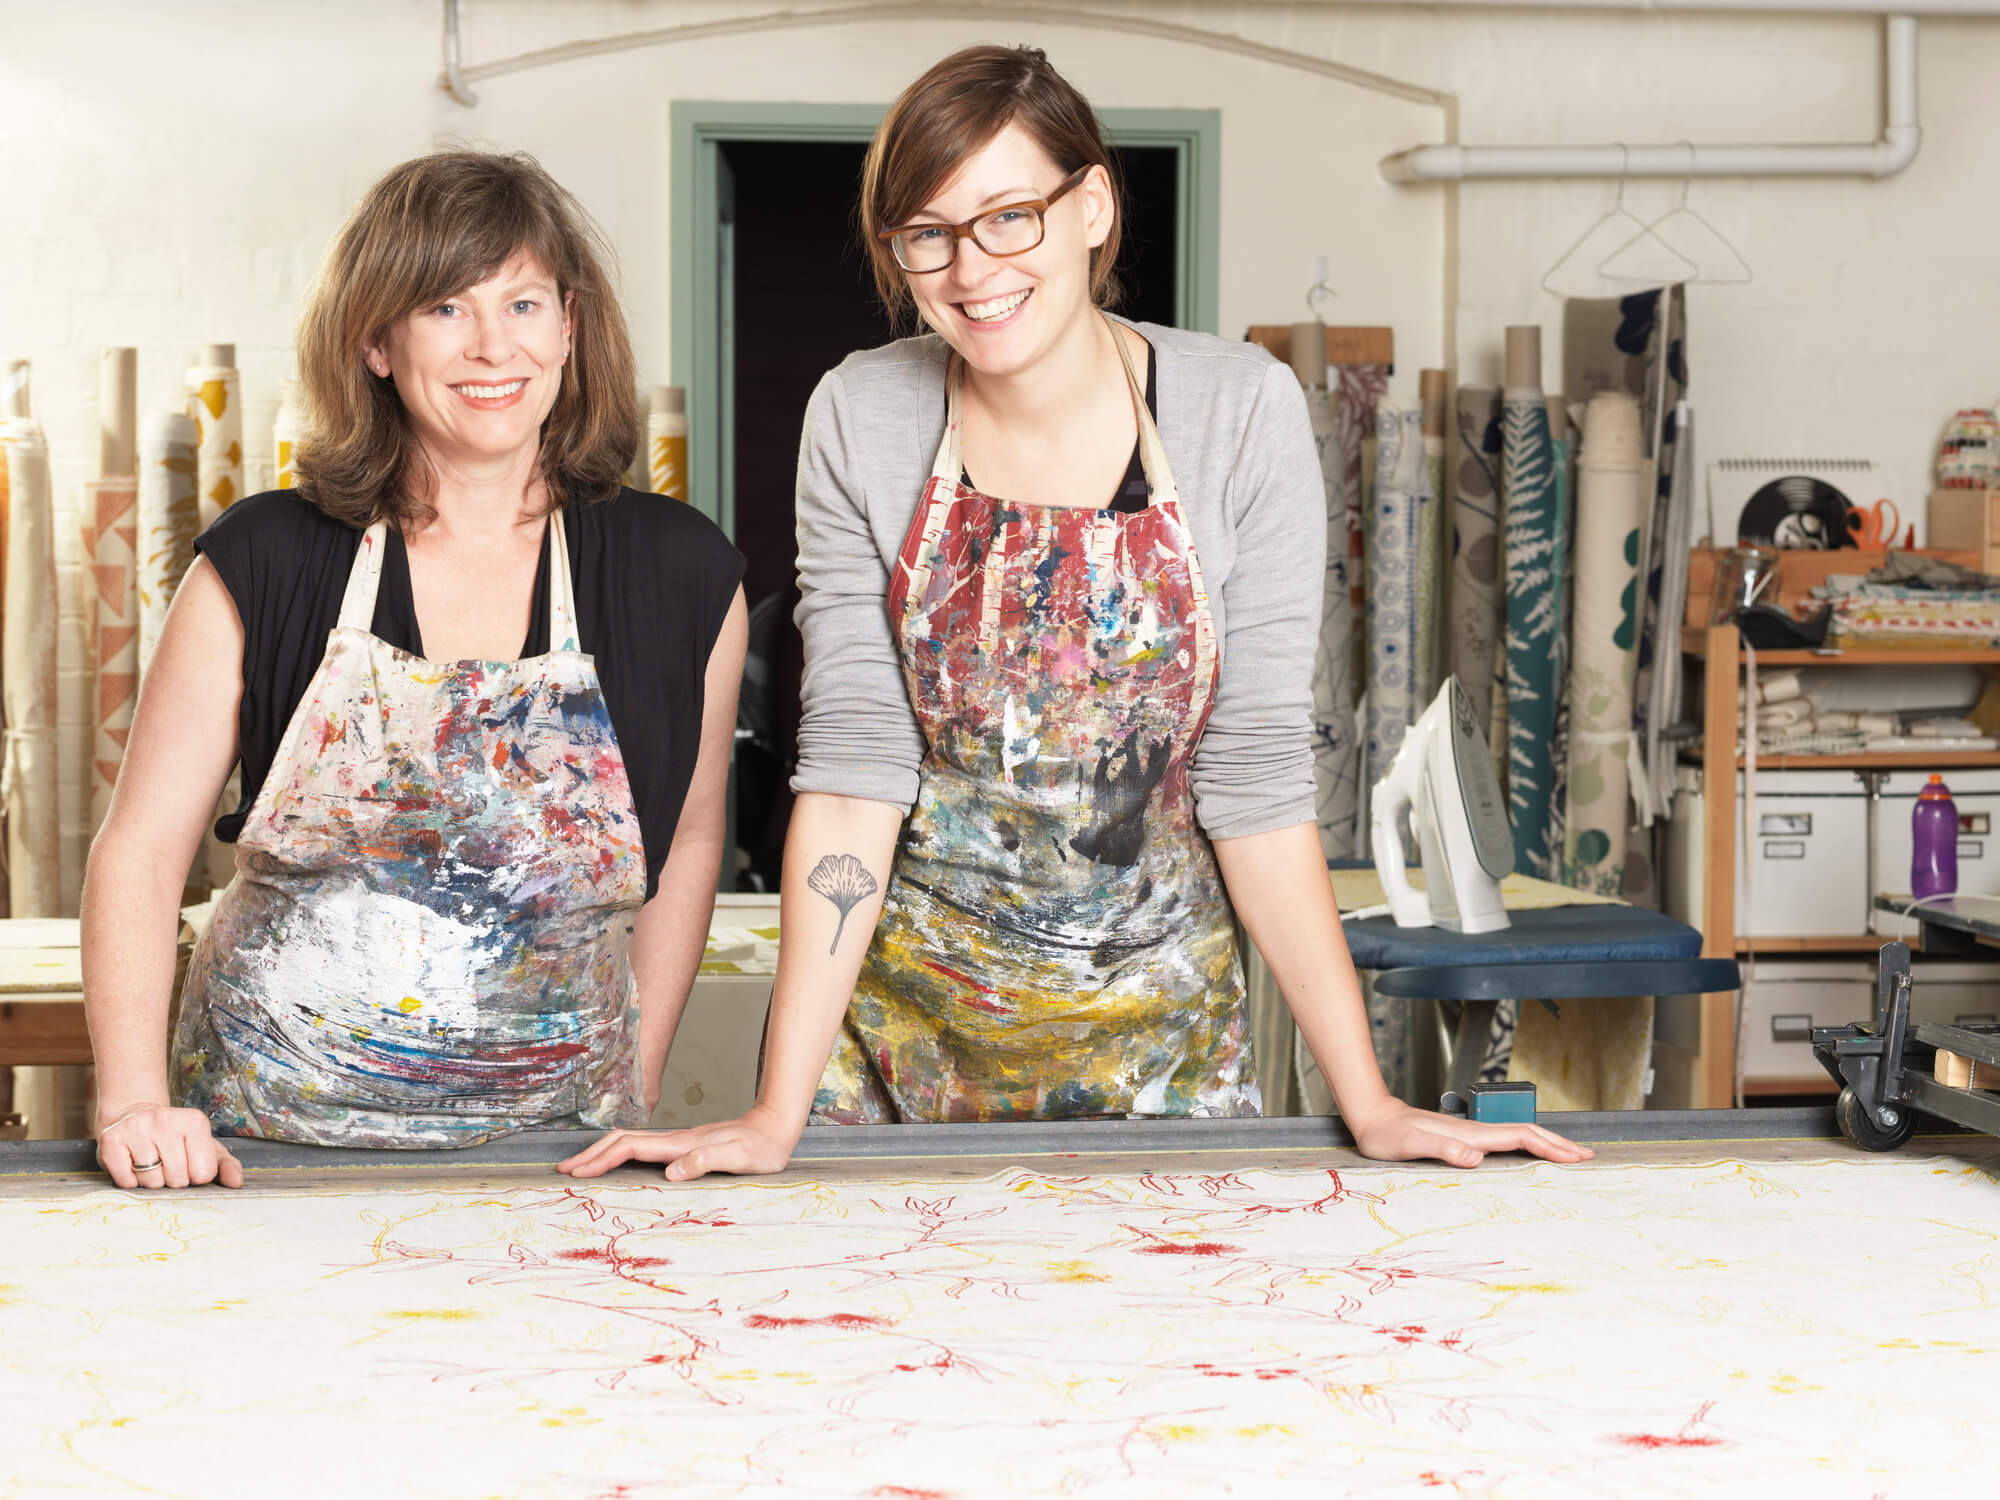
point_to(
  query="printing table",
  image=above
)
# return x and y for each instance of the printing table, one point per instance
(1117, 1309)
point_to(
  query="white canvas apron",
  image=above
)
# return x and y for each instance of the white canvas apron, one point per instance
(427, 940)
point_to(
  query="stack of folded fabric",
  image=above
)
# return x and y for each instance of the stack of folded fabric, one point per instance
(1941, 732)
(1914, 601)
(1790, 721)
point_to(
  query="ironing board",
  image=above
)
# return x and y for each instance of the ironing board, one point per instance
(1559, 953)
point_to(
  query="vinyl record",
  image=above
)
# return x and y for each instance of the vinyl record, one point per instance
(1796, 511)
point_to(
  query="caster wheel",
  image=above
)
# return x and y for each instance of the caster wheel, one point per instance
(1856, 1125)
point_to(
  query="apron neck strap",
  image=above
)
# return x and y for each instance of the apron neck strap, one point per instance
(562, 591)
(357, 605)
(364, 581)
(1152, 452)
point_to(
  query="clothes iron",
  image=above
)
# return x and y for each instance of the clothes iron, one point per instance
(1443, 775)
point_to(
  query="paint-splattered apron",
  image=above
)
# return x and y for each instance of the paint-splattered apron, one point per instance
(427, 942)
(1055, 940)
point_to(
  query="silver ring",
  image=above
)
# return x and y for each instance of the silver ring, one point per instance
(147, 1166)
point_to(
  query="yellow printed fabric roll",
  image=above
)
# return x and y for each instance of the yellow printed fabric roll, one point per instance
(168, 519)
(667, 442)
(111, 604)
(28, 672)
(285, 437)
(215, 401)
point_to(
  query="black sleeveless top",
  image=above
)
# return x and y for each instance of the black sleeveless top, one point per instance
(654, 580)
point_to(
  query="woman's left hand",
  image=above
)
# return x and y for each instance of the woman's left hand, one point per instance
(1395, 1131)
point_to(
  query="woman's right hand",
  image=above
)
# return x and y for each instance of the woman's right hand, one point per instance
(753, 1144)
(154, 1145)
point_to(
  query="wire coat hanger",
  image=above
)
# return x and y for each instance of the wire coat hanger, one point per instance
(1691, 233)
(1620, 220)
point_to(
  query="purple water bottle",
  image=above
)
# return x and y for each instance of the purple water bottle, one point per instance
(1934, 841)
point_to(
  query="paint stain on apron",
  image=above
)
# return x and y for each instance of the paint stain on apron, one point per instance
(427, 940)
(1055, 940)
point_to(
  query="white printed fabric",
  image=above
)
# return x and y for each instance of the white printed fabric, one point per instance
(1769, 1328)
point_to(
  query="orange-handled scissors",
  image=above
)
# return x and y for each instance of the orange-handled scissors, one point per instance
(1875, 528)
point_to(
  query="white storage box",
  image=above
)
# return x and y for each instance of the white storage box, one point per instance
(1789, 997)
(1804, 873)
(1977, 796)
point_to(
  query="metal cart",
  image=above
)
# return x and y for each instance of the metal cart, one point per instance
(1886, 1069)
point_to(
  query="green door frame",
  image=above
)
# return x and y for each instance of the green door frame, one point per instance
(701, 127)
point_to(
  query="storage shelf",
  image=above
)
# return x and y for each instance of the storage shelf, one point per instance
(1883, 760)
(1695, 643)
(1849, 944)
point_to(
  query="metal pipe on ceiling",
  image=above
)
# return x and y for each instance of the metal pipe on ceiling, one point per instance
(1885, 156)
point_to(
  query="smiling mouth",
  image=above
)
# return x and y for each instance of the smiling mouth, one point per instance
(995, 309)
(491, 392)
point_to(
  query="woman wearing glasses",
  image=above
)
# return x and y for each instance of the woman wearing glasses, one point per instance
(1061, 578)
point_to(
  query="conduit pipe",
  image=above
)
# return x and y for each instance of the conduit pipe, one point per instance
(1895, 150)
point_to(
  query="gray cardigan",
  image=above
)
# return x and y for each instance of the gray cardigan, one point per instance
(1233, 421)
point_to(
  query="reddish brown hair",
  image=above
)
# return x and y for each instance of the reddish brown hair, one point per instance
(953, 111)
(428, 230)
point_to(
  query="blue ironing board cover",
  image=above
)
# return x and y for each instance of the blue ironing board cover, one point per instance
(1557, 934)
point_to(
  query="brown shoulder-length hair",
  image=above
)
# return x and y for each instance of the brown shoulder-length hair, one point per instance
(428, 230)
(950, 113)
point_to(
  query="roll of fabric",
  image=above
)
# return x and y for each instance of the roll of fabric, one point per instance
(1336, 761)
(1392, 581)
(168, 519)
(1434, 394)
(110, 550)
(1591, 1057)
(1783, 715)
(215, 401)
(1357, 390)
(29, 784)
(285, 437)
(1638, 345)
(1476, 610)
(667, 441)
(1611, 507)
(1531, 519)
(1662, 701)
(1774, 687)
(1564, 449)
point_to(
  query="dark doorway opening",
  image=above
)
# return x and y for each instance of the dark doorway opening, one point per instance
(801, 298)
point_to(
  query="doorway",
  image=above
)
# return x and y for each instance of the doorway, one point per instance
(771, 290)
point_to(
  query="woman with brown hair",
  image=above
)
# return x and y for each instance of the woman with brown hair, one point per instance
(475, 864)
(1061, 578)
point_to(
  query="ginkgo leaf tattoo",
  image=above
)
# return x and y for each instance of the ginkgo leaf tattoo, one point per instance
(844, 881)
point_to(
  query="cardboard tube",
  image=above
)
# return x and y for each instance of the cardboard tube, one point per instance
(1308, 351)
(1524, 358)
(117, 412)
(1431, 390)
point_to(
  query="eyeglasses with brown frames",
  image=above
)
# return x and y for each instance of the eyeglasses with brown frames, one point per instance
(1011, 229)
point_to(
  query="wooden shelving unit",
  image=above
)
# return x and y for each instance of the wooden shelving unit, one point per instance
(1850, 943)
(1887, 760)
(1712, 1072)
